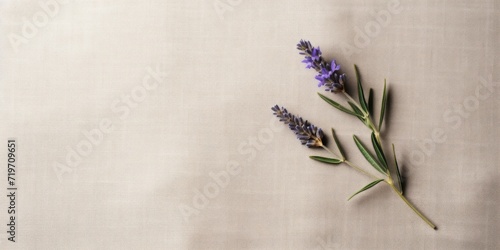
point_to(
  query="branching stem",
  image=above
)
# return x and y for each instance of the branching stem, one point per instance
(350, 164)
(389, 181)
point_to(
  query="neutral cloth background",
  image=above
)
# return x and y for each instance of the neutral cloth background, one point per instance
(212, 70)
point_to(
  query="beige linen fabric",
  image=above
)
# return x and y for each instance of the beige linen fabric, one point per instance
(147, 124)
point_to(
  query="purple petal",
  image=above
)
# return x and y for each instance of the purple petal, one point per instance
(334, 66)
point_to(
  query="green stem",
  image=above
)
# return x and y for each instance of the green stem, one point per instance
(389, 181)
(331, 152)
(350, 164)
(355, 103)
(375, 131)
(412, 207)
(367, 117)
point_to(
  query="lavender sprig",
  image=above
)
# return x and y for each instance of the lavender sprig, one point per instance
(312, 137)
(307, 133)
(329, 76)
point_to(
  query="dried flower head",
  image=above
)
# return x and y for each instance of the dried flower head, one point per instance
(328, 73)
(308, 134)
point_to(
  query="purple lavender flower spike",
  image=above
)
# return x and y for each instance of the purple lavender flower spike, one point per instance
(308, 134)
(328, 75)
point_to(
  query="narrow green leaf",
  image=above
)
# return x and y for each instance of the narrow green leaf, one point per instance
(361, 94)
(400, 180)
(338, 144)
(368, 156)
(366, 187)
(336, 105)
(326, 160)
(370, 101)
(380, 152)
(382, 109)
(357, 111)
